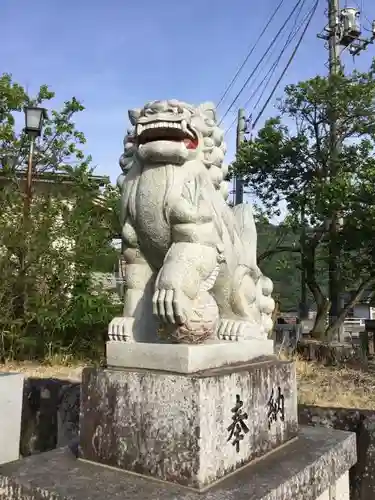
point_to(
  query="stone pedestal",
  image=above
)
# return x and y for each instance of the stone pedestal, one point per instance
(221, 433)
(188, 429)
(11, 392)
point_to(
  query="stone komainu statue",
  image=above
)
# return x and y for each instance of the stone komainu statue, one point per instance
(191, 270)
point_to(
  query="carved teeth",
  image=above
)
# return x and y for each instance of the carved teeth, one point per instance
(185, 128)
(142, 128)
(176, 125)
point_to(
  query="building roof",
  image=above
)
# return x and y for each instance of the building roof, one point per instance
(52, 177)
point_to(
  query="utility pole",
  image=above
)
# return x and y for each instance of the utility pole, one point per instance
(334, 68)
(343, 30)
(241, 131)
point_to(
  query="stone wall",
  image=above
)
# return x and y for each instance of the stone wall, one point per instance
(333, 353)
(50, 414)
(50, 419)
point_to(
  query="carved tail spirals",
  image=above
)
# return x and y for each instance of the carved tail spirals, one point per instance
(246, 228)
(247, 232)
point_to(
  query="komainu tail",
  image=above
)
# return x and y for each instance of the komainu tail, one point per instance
(246, 228)
(247, 232)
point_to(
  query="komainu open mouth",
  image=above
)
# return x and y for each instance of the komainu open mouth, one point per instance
(167, 131)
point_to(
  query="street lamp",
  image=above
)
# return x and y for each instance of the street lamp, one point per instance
(34, 118)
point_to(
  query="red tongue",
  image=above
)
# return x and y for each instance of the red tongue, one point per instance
(191, 143)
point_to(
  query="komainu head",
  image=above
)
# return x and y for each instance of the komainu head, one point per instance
(175, 132)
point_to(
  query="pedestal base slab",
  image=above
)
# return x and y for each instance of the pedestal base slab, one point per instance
(313, 467)
(185, 358)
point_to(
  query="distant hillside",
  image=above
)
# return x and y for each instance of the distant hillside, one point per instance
(281, 267)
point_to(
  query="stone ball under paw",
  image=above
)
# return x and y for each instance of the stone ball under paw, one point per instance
(202, 323)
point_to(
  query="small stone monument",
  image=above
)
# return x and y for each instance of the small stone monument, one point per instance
(11, 392)
(193, 403)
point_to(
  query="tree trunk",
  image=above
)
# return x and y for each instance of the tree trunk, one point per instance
(276, 311)
(322, 303)
(320, 325)
(334, 272)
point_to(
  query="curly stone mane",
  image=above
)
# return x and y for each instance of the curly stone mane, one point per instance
(214, 149)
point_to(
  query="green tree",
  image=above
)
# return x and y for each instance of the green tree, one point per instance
(289, 160)
(48, 301)
(282, 267)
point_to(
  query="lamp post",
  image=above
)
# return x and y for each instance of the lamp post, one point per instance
(34, 118)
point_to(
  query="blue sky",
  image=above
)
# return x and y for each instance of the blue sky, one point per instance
(116, 54)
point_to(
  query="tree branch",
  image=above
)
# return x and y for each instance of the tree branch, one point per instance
(309, 265)
(274, 251)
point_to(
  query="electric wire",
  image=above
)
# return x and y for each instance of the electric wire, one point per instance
(273, 41)
(289, 39)
(309, 18)
(292, 34)
(290, 60)
(362, 11)
(272, 71)
(249, 54)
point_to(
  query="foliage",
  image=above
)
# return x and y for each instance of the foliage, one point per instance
(284, 267)
(290, 161)
(48, 303)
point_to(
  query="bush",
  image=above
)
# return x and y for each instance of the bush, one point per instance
(52, 242)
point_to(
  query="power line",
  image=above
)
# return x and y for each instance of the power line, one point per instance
(312, 12)
(261, 59)
(362, 12)
(250, 53)
(272, 69)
